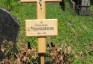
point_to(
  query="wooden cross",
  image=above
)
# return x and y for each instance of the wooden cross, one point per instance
(40, 6)
(41, 15)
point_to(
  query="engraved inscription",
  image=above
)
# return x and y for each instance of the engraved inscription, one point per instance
(41, 27)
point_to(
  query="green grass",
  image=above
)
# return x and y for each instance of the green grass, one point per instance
(74, 30)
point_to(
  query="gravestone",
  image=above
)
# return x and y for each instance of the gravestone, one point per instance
(9, 26)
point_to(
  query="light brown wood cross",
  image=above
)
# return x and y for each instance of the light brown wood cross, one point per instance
(41, 15)
(40, 6)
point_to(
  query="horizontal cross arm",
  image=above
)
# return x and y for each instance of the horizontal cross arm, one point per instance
(24, 1)
(53, 0)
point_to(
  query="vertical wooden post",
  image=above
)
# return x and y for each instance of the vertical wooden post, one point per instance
(42, 59)
(41, 40)
(41, 48)
(41, 9)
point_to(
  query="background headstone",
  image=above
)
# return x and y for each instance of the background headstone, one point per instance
(9, 26)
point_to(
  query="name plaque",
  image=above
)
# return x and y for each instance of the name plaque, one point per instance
(41, 27)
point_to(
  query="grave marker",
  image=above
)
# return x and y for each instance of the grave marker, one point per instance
(44, 27)
(40, 16)
(9, 26)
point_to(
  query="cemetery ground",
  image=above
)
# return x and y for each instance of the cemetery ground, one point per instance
(75, 33)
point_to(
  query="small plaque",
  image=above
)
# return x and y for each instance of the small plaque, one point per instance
(41, 27)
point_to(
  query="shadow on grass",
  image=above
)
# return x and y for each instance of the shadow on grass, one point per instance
(62, 4)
